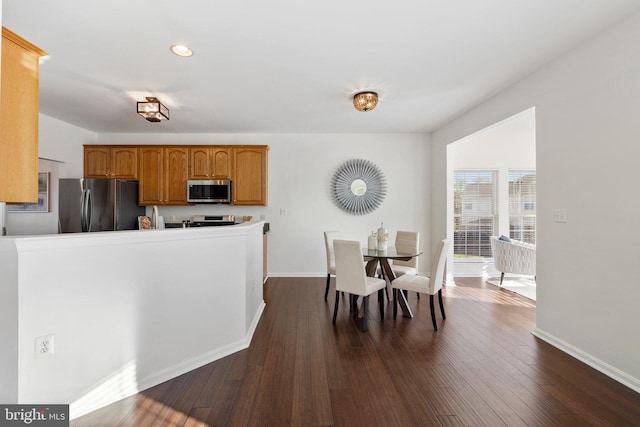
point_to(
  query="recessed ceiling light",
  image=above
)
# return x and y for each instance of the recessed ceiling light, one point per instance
(181, 50)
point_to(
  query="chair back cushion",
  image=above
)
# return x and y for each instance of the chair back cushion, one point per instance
(407, 241)
(438, 266)
(350, 274)
(329, 237)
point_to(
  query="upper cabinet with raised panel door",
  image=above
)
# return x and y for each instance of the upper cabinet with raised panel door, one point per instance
(110, 162)
(176, 162)
(163, 171)
(18, 119)
(163, 175)
(209, 162)
(250, 175)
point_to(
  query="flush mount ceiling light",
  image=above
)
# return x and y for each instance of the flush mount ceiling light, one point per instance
(365, 101)
(153, 110)
(181, 50)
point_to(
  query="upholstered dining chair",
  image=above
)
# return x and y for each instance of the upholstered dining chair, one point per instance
(351, 278)
(329, 236)
(427, 285)
(406, 241)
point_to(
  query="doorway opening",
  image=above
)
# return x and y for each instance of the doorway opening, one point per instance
(491, 191)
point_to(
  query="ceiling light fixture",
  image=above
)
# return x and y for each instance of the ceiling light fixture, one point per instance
(181, 50)
(153, 110)
(365, 101)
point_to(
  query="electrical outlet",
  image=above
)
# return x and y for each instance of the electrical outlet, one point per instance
(263, 217)
(44, 346)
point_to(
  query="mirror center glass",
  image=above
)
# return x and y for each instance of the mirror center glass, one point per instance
(358, 187)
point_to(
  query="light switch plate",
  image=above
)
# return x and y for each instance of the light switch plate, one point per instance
(561, 215)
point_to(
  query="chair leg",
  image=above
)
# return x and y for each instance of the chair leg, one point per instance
(418, 293)
(381, 303)
(501, 277)
(395, 303)
(326, 289)
(386, 289)
(441, 305)
(365, 301)
(433, 313)
(335, 310)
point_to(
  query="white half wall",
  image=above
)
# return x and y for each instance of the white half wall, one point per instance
(127, 310)
(587, 151)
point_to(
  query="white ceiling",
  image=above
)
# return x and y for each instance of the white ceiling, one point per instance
(290, 65)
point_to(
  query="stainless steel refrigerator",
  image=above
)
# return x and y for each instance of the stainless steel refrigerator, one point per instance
(98, 205)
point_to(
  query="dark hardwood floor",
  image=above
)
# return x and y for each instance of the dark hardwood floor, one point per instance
(482, 368)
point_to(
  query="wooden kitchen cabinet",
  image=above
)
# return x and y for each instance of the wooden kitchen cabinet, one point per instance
(151, 174)
(163, 170)
(209, 162)
(110, 162)
(18, 119)
(163, 175)
(250, 175)
(176, 162)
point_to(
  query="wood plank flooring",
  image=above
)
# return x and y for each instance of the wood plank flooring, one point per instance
(482, 368)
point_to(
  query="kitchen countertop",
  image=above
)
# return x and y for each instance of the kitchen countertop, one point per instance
(265, 227)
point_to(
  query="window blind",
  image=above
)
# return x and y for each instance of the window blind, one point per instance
(522, 205)
(475, 218)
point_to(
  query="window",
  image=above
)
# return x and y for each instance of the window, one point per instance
(475, 217)
(522, 205)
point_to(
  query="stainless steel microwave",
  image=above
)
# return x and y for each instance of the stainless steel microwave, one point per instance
(209, 191)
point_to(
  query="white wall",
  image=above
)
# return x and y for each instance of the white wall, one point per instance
(587, 151)
(22, 223)
(63, 142)
(60, 153)
(509, 144)
(300, 170)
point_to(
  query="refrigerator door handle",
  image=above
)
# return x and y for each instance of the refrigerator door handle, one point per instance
(82, 220)
(86, 210)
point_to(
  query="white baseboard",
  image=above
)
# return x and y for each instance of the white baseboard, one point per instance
(99, 398)
(203, 359)
(324, 274)
(594, 362)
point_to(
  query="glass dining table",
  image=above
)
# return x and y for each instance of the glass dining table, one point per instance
(375, 257)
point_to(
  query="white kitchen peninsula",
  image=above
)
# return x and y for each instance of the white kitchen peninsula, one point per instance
(127, 310)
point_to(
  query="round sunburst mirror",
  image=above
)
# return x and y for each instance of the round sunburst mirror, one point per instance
(359, 186)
